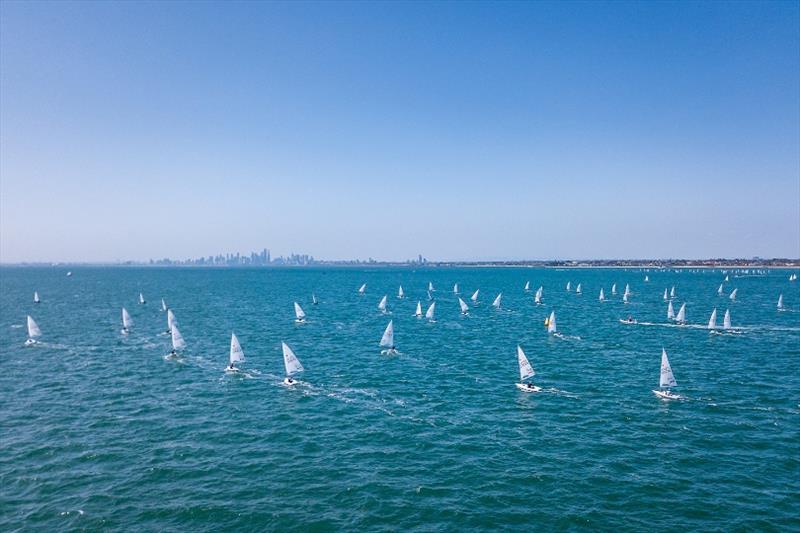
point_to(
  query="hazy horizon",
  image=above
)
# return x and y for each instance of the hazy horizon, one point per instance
(511, 131)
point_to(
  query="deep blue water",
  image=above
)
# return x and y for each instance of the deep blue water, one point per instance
(98, 431)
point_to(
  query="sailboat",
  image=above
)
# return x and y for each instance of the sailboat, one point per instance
(33, 332)
(141, 298)
(496, 302)
(719, 290)
(681, 317)
(170, 321)
(665, 295)
(627, 289)
(36, 297)
(362, 289)
(387, 341)
(430, 287)
(569, 286)
(163, 305)
(670, 311)
(430, 311)
(525, 372)
(69, 273)
(733, 294)
(614, 289)
(314, 300)
(625, 297)
(291, 363)
(430, 297)
(464, 307)
(400, 293)
(537, 298)
(474, 296)
(527, 286)
(666, 380)
(382, 305)
(646, 279)
(299, 314)
(793, 277)
(578, 289)
(237, 354)
(177, 342)
(726, 321)
(712, 322)
(127, 322)
(780, 303)
(726, 278)
(455, 288)
(551, 323)
(418, 312)
(602, 296)
(672, 292)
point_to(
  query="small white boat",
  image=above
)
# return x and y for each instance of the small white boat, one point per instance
(163, 305)
(141, 298)
(496, 302)
(720, 290)
(666, 380)
(33, 331)
(382, 305)
(670, 311)
(69, 274)
(236, 355)
(625, 297)
(314, 300)
(127, 322)
(430, 287)
(726, 278)
(569, 286)
(525, 372)
(672, 292)
(400, 293)
(464, 307)
(362, 289)
(537, 298)
(429, 313)
(726, 321)
(614, 289)
(578, 289)
(527, 286)
(291, 363)
(430, 297)
(36, 297)
(551, 323)
(666, 297)
(300, 315)
(732, 296)
(474, 296)
(780, 303)
(680, 318)
(712, 321)
(602, 296)
(418, 312)
(455, 288)
(387, 340)
(646, 279)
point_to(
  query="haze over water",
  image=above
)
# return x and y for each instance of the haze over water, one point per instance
(100, 432)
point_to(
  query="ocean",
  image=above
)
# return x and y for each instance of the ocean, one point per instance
(99, 432)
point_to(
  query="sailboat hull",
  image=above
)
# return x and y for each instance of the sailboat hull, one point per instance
(525, 387)
(30, 342)
(667, 395)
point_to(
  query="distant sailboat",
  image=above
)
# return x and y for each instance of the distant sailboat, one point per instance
(69, 274)
(602, 296)
(793, 277)
(726, 278)
(430, 297)
(236, 355)
(455, 288)
(382, 304)
(780, 303)
(614, 289)
(291, 363)
(625, 297)
(362, 289)
(627, 290)
(141, 298)
(430, 311)
(163, 305)
(496, 302)
(299, 313)
(430, 287)
(527, 286)
(177, 341)
(719, 290)
(387, 341)
(474, 296)
(578, 289)
(127, 322)
(646, 279)
(400, 293)
(726, 321)
(672, 292)
(733, 294)
(569, 286)
(33, 331)
(670, 311)
(36, 297)
(314, 300)
(666, 297)
(525, 372)
(712, 322)
(418, 312)
(681, 317)
(551, 323)
(464, 307)
(537, 298)
(666, 380)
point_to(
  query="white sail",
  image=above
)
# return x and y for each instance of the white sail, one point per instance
(681, 314)
(464, 307)
(298, 312)
(474, 296)
(141, 298)
(614, 289)
(627, 289)
(780, 301)
(362, 289)
(35, 297)
(712, 322)
(455, 288)
(726, 278)
(733, 294)
(429, 296)
(430, 287)
(625, 297)
(551, 323)
(538, 297)
(170, 320)
(670, 311)
(33, 328)
(646, 278)
(726, 321)
(665, 295)
(525, 368)
(314, 300)
(127, 321)
(382, 303)
(719, 291)
(400, 292)
(672, 292)
(418, 312)
(667, 379)
(387, 341)
(177, 339)
(578, 289)
(163, 305)
(569, 286)
(430, 311)
(290, 360)
(237, 354)
(602, 296)
(527, 285)
(496, 302)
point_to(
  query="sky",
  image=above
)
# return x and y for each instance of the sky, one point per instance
(459, 131)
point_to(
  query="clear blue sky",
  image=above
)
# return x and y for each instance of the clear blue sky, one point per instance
(456, 130)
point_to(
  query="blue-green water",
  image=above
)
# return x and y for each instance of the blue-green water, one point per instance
(98, 431)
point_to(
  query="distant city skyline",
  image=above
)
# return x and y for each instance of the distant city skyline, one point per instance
(350, 130)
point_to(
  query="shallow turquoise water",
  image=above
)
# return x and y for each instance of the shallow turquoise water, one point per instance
(100, 432)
